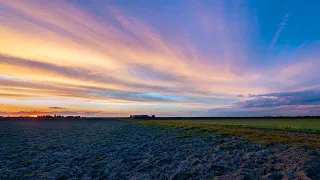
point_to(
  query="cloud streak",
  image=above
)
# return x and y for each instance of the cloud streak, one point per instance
(299, 103)
(281, 27)
(281, 99)
(56, 108)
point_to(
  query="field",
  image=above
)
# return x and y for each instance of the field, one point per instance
(294, 131)
(295, 125)
(122, 149)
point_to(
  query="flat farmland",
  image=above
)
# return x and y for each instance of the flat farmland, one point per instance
(295, 125)
(121, 149)
(303, 132)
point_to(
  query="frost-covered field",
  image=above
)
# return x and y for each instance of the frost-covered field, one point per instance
(111, 149)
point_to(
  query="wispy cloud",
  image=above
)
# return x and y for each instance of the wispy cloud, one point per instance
(281, 27)
(63, 113)
(55, 107)
(121, 53)
(273, 104)
(293, 110)
(281, 99)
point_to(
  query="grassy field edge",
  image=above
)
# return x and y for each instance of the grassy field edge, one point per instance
(258, 135)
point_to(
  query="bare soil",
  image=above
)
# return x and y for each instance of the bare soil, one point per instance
(109, 149)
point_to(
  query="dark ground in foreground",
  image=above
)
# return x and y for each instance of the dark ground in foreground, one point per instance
(106, 149)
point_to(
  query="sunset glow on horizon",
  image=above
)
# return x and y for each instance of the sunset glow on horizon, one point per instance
(169, 58)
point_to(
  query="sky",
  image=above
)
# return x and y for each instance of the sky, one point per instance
(168, 58)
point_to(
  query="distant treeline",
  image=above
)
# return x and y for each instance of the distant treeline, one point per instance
(235, 118)
(42, 117)
(163, 118)
(59, 116)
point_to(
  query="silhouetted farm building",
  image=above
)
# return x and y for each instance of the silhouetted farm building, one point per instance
(142, 117)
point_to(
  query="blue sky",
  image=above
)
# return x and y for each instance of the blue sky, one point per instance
(169, 58)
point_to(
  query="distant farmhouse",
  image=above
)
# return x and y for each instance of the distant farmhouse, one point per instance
(142, 117)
